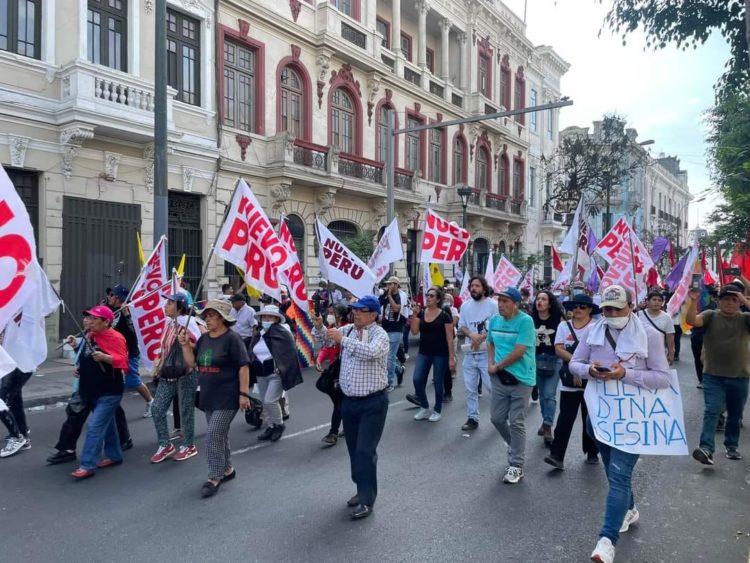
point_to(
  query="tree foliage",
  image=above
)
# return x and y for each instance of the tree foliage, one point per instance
(729, 158)
(688, 23)
(590, 165)
(360, 244)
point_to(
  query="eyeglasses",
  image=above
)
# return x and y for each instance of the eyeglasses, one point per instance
(432, 295)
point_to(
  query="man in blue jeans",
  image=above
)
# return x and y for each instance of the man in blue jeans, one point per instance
(393, 323)
(726, 368)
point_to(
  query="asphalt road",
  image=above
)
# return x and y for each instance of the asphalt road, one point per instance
(441, 497)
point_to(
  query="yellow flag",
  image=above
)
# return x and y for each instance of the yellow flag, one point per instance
(251, 291)
(141, 256)
(436, 275)
(181, 267)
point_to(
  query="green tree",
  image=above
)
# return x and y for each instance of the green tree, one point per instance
(729, 159)
(689, 23)
(360, 244)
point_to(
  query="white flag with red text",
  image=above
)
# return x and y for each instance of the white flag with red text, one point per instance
(247, 240)
(293, 276)
(388, 251)
(147, 304)
(342, 266)
(489, 271)
(629, 260)
(506, 275)
(443, 242)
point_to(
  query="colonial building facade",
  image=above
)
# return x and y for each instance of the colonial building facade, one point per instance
(290, 95)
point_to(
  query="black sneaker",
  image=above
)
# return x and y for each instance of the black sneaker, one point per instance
(703, 456)
(276, 432)
(733, 454)
(399, 375)
(266, 435)
(592, 459)
(331, 439)
(127, 445)
(470, 424)
(554, 462)
(447, 398)
(61, 457)
(413, 399)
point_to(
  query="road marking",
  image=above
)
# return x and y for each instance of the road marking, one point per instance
(295, 434)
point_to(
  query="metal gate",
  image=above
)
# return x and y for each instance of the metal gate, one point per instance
(99, 251)
(185, 236)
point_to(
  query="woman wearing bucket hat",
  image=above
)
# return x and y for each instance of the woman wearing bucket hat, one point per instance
(221, 360)
(569, 334)
(274, 365)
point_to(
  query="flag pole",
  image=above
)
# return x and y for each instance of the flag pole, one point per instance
(78, 326)
(632, 260)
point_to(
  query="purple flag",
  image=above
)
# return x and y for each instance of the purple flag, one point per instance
(593, 284)
(660, 245)
(592, 242)
(675, 275)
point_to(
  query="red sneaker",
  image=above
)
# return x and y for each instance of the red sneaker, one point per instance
(81, 473)
(106, 462)
(186, 452)
(163, 453)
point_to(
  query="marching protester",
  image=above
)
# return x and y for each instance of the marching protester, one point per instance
(696, 339)
(473, 325)
(321, 298)
(101, 363)
(569, 335)
(363, 380)
(511, 362)
(274, 365)
(655, 318)
(221, 360)
(330, 352)
(176, 382)
(527, 305)
(618, 347)
(393, 324)
(726, 368)
(12, 413)
(450, 373)
(124, 325)
(244, 314)
(435, 329)
(547, 315)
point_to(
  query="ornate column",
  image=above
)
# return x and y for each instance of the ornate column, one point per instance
(422, 9)
(445, 67)
(465, 63)
(396, 28)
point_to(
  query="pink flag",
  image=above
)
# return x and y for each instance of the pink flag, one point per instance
(293, 276)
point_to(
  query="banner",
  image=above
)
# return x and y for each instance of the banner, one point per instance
(628, 259)
(683, 286)
(248, 241)
(342, 266)
(637, 420)
(388, 251)
(506, 275)
(443, 242)
(293, 276)
(659, 248)
(17, 251)
(147, 311)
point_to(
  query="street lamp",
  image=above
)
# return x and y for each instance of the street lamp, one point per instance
(464, 192)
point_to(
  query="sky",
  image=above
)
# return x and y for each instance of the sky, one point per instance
(662, 94)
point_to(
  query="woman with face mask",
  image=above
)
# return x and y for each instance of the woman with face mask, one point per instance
(273, 364)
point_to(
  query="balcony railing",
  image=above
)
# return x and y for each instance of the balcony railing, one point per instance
(308, 154)
(494, 201)
(476, 197)
(404, 179)
(437, 89)
(515, 206)
(353, 35)
(116, 92)
(412, 76)
(457, 100)
(356, 167)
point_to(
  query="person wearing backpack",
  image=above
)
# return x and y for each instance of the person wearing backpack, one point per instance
(654, 318)
(569, 335)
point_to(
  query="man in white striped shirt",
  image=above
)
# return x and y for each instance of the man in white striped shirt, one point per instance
(363, 379)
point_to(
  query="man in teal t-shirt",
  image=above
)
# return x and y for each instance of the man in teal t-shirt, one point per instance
(511, 346)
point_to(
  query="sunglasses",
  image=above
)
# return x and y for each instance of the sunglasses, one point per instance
(580, 306)
(432, 295)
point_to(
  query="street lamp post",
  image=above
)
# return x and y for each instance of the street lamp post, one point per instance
(464, 192)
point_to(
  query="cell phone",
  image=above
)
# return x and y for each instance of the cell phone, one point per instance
(602, 369)
(731, 271)
(696, 282)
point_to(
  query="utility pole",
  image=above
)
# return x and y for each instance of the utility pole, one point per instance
(160, 120)
(390, 172)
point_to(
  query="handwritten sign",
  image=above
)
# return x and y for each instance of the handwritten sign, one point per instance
(443, 242)
(636, 420)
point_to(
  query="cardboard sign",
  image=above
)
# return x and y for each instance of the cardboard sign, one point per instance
(342, 266)
(388, 251)
(147, 311)
(293, 276)
(248, 241)
(636, 420)
(506, 275)
(443, 242)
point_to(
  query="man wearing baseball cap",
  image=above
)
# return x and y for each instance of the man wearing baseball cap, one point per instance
(363, 379)
(393, 323)
(511, 349)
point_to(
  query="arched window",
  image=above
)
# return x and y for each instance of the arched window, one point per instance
(501, 247)
(297, 228)
(481, 254)
(342, 121)
(343, 229)
(482, 172)
(291, 102)
(503, 176)
(459, 160)
(518, 183)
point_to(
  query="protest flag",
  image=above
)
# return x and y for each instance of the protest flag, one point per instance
(387, 251)
(293, 276)
(489, 271)
(464, 293)
(436, 275)
(303, 336)
(443, 242)
(628, 259)
(683, 286)
(342, 266)
(571, 240)
(557, 264)
(506, 275)
(141, 255)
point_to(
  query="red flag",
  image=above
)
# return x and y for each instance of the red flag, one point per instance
(653, 277)
(557, 264)
(671, 255)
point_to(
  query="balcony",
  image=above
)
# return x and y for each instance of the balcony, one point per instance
(348, 37)
(353, 166)
(412, 76)
(404, 179)
(353, 35)
(310, 155)
(496, 202)
(116, 103)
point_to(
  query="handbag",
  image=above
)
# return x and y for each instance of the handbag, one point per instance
(545, 365)
(173, 367)
(328, 381)
(507, 378)
(253, 414)
(567, 378)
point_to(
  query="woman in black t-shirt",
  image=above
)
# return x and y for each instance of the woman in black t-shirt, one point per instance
(222, 362)
(435, 329)
(547, 315)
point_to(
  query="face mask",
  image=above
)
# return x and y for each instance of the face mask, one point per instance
(330, 320)
(617, 323)
(266, 324)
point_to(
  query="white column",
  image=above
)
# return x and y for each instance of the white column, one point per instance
(422, 9)
(370, 14)
(465, 63)
(445, 70)
(396, 28)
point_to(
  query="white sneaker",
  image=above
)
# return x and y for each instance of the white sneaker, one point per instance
(513, 475)
(147, 414)
(13, 446)
(631, 517)
(604, 552)
(434, 417)
(423, 414)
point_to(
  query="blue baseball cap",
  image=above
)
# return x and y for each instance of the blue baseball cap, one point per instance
(121, 292)
(511, 293)
(180, 300)
(369, 302)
